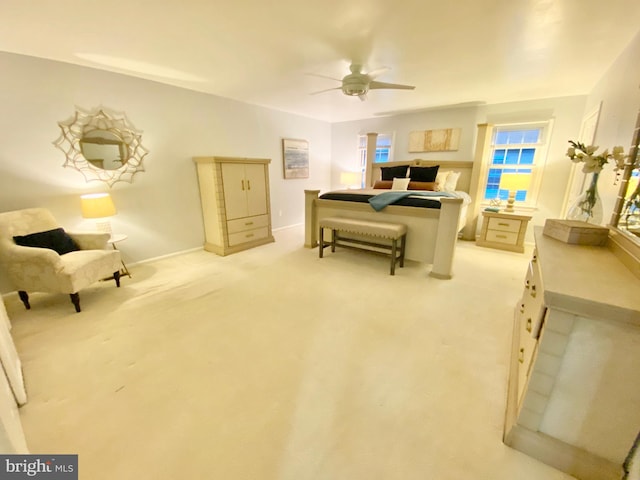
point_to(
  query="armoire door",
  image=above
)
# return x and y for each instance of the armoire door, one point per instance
(257, 189)
(235, 190)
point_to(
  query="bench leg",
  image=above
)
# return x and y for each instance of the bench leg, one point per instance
(403, 246)
(321, 242)
(334, 237)
(394, 248)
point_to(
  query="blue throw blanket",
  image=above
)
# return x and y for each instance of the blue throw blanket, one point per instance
(378, 202)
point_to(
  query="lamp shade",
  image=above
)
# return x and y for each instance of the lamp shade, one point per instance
(350, 178)
(515, 181)
(97, 205)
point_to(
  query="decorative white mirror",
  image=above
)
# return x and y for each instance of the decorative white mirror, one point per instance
(102, 146)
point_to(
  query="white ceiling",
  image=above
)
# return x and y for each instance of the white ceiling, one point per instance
(455, 51)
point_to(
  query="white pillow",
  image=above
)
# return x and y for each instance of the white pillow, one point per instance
(452, 181)
(441, 179)
(400, 184)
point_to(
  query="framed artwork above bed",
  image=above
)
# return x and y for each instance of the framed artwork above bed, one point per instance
(443, 140)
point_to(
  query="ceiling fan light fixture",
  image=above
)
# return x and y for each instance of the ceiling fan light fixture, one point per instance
(354, 90)
(357, 84)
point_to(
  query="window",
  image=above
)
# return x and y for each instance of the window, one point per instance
(383, 151)
(516, 149)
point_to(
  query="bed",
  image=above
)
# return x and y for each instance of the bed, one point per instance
(433, 222)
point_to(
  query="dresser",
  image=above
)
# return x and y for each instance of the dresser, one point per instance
(503, 230)
(12, 390)
(234, 194)
(573, 393)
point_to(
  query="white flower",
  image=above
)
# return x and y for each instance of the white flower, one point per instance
(593, 163)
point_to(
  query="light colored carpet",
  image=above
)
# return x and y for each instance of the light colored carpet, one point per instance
(272, 364)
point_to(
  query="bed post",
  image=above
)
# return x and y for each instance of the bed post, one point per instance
(310, 218)
(446, 238)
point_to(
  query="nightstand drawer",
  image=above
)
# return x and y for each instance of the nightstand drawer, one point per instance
(505, 224)
(497, 236)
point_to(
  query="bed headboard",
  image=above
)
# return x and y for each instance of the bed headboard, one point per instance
(464, 167)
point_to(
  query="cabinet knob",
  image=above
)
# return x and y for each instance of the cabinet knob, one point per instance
(242, 184)
(527, 284)
(248, 184)
(529, 323)
(248, 223)
(249, 235)
(522, 308)
(502, 224)
(521, 355)
(533, 291)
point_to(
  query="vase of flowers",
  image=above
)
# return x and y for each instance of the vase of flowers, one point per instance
(588, 206)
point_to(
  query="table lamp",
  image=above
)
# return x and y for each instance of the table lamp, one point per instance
(350, 179)
(514, 182)
(99, 206)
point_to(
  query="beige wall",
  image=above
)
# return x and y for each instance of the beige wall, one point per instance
(618, 94)
(160, 210)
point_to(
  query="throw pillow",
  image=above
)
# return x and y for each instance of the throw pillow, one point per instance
(452, 181)
(441, 179)
(389, 173)
(400, 183)
(431, 186)
(383, 184)
(56, 239)
(424, 174)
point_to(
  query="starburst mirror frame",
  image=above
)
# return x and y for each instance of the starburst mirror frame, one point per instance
(89, 123)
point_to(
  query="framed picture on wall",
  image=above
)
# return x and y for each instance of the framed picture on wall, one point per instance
(295, 154)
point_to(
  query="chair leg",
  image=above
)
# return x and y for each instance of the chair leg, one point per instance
(75, 299)
(116, 277)
(24, 296)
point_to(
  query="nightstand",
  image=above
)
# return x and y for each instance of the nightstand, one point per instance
(503, 230)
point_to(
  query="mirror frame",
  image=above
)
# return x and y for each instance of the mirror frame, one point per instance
(73, 130)
(632, 163)
(625, 244)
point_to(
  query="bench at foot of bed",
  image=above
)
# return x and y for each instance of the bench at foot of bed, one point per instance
(395, 233)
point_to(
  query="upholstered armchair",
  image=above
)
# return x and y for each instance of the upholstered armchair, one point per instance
(37, 255)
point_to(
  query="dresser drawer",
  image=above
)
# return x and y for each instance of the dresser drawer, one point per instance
(527, 348)
(248, 236)
(247, 223)
(504, 224)
(509, 238)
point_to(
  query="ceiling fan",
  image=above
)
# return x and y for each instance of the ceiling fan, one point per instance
(357, 83)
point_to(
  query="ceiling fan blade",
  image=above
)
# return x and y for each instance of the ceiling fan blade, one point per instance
(378, 85)
(323, 76)
(377, 72)
(327, 90)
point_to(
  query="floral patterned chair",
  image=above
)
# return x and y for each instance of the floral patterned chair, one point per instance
(38, 256)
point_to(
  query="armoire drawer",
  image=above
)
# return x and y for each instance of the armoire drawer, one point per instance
(247, 223)
(248, 236)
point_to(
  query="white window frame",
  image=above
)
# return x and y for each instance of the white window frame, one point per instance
(539, 161)
(362, 151)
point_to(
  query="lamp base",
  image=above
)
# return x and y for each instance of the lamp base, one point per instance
(104, 226)
(510, 201)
